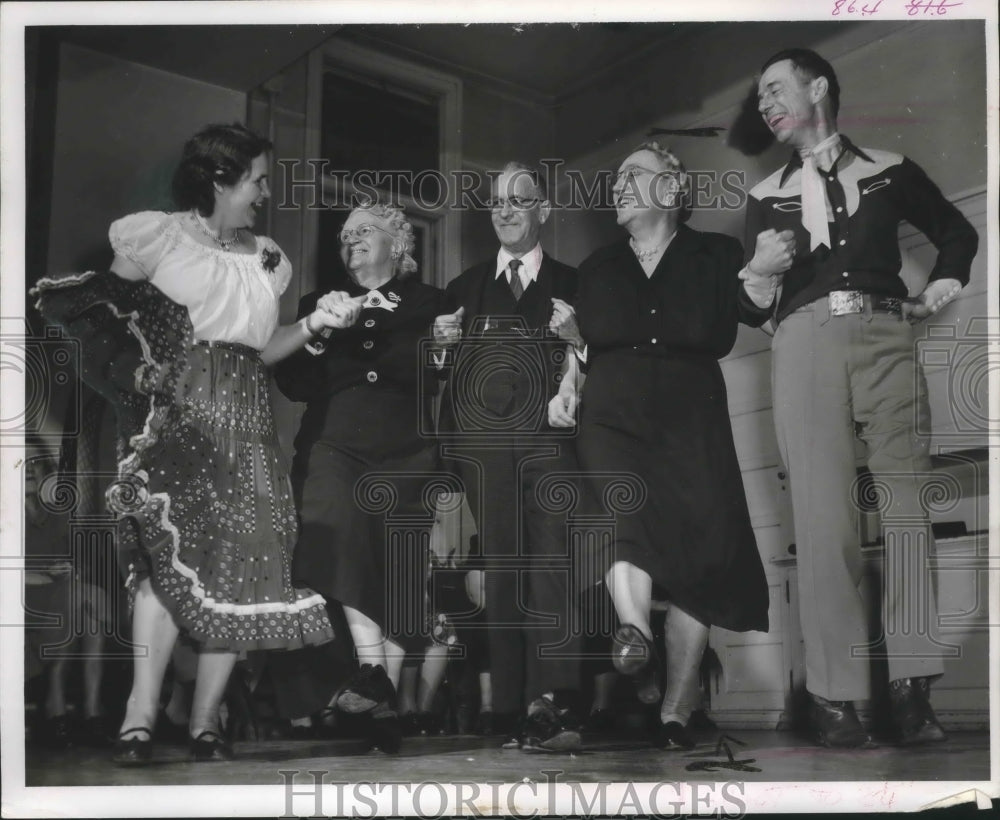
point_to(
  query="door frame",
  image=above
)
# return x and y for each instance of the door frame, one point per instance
(443, 254)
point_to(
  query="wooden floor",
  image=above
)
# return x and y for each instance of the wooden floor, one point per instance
(756, 756)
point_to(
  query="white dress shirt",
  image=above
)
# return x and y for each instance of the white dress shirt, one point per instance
(530, 263)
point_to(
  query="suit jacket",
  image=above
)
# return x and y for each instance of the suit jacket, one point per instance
(506, 368)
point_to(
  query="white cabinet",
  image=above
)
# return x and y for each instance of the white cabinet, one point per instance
(750, 691)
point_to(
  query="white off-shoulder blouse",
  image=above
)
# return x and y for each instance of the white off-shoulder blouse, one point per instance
(231, 296)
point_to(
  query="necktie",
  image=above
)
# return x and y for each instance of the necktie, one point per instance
(515, 278)
(815, 218)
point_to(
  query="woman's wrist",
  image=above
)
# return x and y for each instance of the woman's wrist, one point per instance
(307, 326)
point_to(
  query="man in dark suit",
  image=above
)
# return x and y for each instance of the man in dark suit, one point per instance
(506, 341)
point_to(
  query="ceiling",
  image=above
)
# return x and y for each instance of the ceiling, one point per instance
(239, 57)
(543, 62)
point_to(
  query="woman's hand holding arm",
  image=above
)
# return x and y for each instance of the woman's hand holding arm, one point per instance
(563, 323)
(334, 310)
(773, 255)
(562, 407)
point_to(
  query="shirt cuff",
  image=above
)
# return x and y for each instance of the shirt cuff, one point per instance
(581, 355)
(940, 292)
(760, 289)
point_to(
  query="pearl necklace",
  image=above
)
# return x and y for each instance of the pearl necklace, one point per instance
(647, 255)
(215, 236)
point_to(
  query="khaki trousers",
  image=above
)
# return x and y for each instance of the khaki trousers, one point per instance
(835, 378)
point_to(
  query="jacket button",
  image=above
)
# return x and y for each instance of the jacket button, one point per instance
(372, 376)
(369, 323)
(368, 345)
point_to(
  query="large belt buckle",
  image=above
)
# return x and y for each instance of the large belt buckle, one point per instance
(843, 302)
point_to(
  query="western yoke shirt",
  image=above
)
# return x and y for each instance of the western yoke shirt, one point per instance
(869, 193)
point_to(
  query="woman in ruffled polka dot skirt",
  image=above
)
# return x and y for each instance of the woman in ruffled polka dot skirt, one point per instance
(178, 336)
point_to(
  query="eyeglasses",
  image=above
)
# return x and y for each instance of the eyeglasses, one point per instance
(361, 232)
(630, 172)
(516, 203)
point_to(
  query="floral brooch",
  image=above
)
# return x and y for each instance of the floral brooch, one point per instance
(270, 258)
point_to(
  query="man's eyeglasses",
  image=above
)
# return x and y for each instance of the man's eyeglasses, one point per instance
(630, 172)
(361, 232)
(516, 203)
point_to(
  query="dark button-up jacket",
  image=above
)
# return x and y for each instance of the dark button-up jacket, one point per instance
(386, 349)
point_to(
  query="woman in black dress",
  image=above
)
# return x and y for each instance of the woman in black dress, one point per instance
(656, 311)
(365, 459)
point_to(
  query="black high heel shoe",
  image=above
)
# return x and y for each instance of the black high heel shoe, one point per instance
(134, 751)
(672, 737)
(429, 724)
(57, 732)
(636, 656)
(209, 745)
(386, 729)
(366, 689)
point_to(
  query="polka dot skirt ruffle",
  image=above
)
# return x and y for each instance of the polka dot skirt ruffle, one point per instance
(207, 510)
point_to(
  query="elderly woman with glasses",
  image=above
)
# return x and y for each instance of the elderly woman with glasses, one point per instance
(656, 311)
(364, 453)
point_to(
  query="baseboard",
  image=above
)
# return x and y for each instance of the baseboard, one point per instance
(953, 720)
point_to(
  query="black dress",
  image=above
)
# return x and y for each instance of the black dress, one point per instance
(654, 409)
(366, 472)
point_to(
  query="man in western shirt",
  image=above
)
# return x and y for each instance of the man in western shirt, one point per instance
(825, 268)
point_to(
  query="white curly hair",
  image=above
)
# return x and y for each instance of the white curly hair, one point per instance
(675, 167)
(404, 241)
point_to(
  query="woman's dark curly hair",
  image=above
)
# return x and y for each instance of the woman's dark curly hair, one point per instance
(217, 153)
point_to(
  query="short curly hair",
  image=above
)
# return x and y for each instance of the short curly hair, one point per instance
(674, 167)
(404, 240)
(217, 153)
